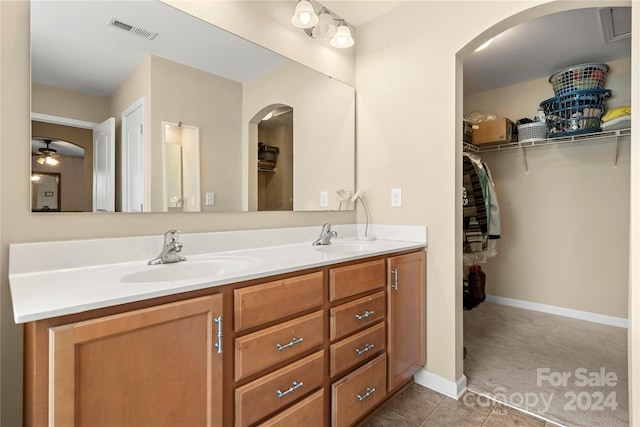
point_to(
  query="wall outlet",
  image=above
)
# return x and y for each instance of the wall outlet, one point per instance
(396, 197)
(210, 199)
(324, 199)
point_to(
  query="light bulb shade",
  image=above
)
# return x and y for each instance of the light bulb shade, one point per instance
(51, 161)
(304, 15)
(342, 39)
(41, 160)
(326, 27)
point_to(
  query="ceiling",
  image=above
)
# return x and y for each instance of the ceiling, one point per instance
(532, 50)
(529, 51)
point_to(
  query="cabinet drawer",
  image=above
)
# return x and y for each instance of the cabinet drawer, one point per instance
(356, 278)
(357, 393)
(278, 343)
(256, 305)
(267, 394)
(353, 350)
(309, 412)
(350, 317)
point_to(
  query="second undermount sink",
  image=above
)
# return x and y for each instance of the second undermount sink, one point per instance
(188, 270)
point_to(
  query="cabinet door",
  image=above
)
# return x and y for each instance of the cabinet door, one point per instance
(155, 366)
(405, 317)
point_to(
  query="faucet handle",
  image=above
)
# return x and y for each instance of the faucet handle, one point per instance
(171, 236)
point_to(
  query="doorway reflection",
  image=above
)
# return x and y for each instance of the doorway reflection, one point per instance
(275, 160)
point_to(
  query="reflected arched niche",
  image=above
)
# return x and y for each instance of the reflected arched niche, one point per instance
(271, 156)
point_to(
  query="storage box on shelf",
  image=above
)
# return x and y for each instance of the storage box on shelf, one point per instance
(493, 132)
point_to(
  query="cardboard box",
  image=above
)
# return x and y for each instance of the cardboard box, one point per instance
(494, 132)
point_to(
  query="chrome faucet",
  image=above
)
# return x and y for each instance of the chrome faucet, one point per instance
(170, 249)
(325, 235)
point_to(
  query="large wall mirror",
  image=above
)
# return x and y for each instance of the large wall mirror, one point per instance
(175, 114)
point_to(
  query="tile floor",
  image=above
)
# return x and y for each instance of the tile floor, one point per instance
(419, 406)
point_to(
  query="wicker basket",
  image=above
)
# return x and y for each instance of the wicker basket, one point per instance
(579, 77)
(532, 131)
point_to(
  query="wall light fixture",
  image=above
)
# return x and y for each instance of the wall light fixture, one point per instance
(322, 25)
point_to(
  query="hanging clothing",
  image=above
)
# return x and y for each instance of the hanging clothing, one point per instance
(481, 212)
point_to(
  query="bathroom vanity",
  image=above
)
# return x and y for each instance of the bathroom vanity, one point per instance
(323, 341)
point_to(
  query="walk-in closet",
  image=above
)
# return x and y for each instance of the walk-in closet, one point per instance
(547, 331)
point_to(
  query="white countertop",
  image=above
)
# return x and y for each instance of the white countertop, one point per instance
(90, 276)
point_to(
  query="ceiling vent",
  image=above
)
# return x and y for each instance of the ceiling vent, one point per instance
(616, 23)
(138, 31)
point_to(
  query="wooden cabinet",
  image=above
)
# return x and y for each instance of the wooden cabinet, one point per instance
(260, 351)
(309, 412)
(271, 392)
(319, 348)
(405, 317)
(260, 304)
(155, 366)
(270, 346)
(358, 393)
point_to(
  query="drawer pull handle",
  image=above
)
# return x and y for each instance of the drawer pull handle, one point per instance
(369, 392)
(291, 343)
(366, 314)
(365, 349)
(295, 385)
(218, 345)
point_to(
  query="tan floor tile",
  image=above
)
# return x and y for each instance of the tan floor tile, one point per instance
(503, 416)
(388, 418)
(412, 405)
(427, 393)
(471, 406)
(443, 417)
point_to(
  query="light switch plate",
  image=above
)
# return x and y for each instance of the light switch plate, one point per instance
(324, 199)
(396, 197)
(210, 199)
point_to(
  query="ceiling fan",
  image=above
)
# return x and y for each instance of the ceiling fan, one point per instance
(47, 154)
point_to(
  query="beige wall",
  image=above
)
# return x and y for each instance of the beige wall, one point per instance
(323, 129)
(17, 224)
(76, 105)
(403, 141)
(565, 221)
(409, 97)
(214, 105)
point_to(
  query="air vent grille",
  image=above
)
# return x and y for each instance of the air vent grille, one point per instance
(616, 23)
(135, 30)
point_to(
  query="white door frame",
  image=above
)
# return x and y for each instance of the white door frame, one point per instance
(140, 103)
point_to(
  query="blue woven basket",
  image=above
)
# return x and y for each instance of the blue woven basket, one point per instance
(576, 112)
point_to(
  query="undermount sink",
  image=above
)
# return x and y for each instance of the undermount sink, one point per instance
(188, 270)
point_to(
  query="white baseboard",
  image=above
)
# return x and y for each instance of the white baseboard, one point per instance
(561, 311)
(440, 384)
